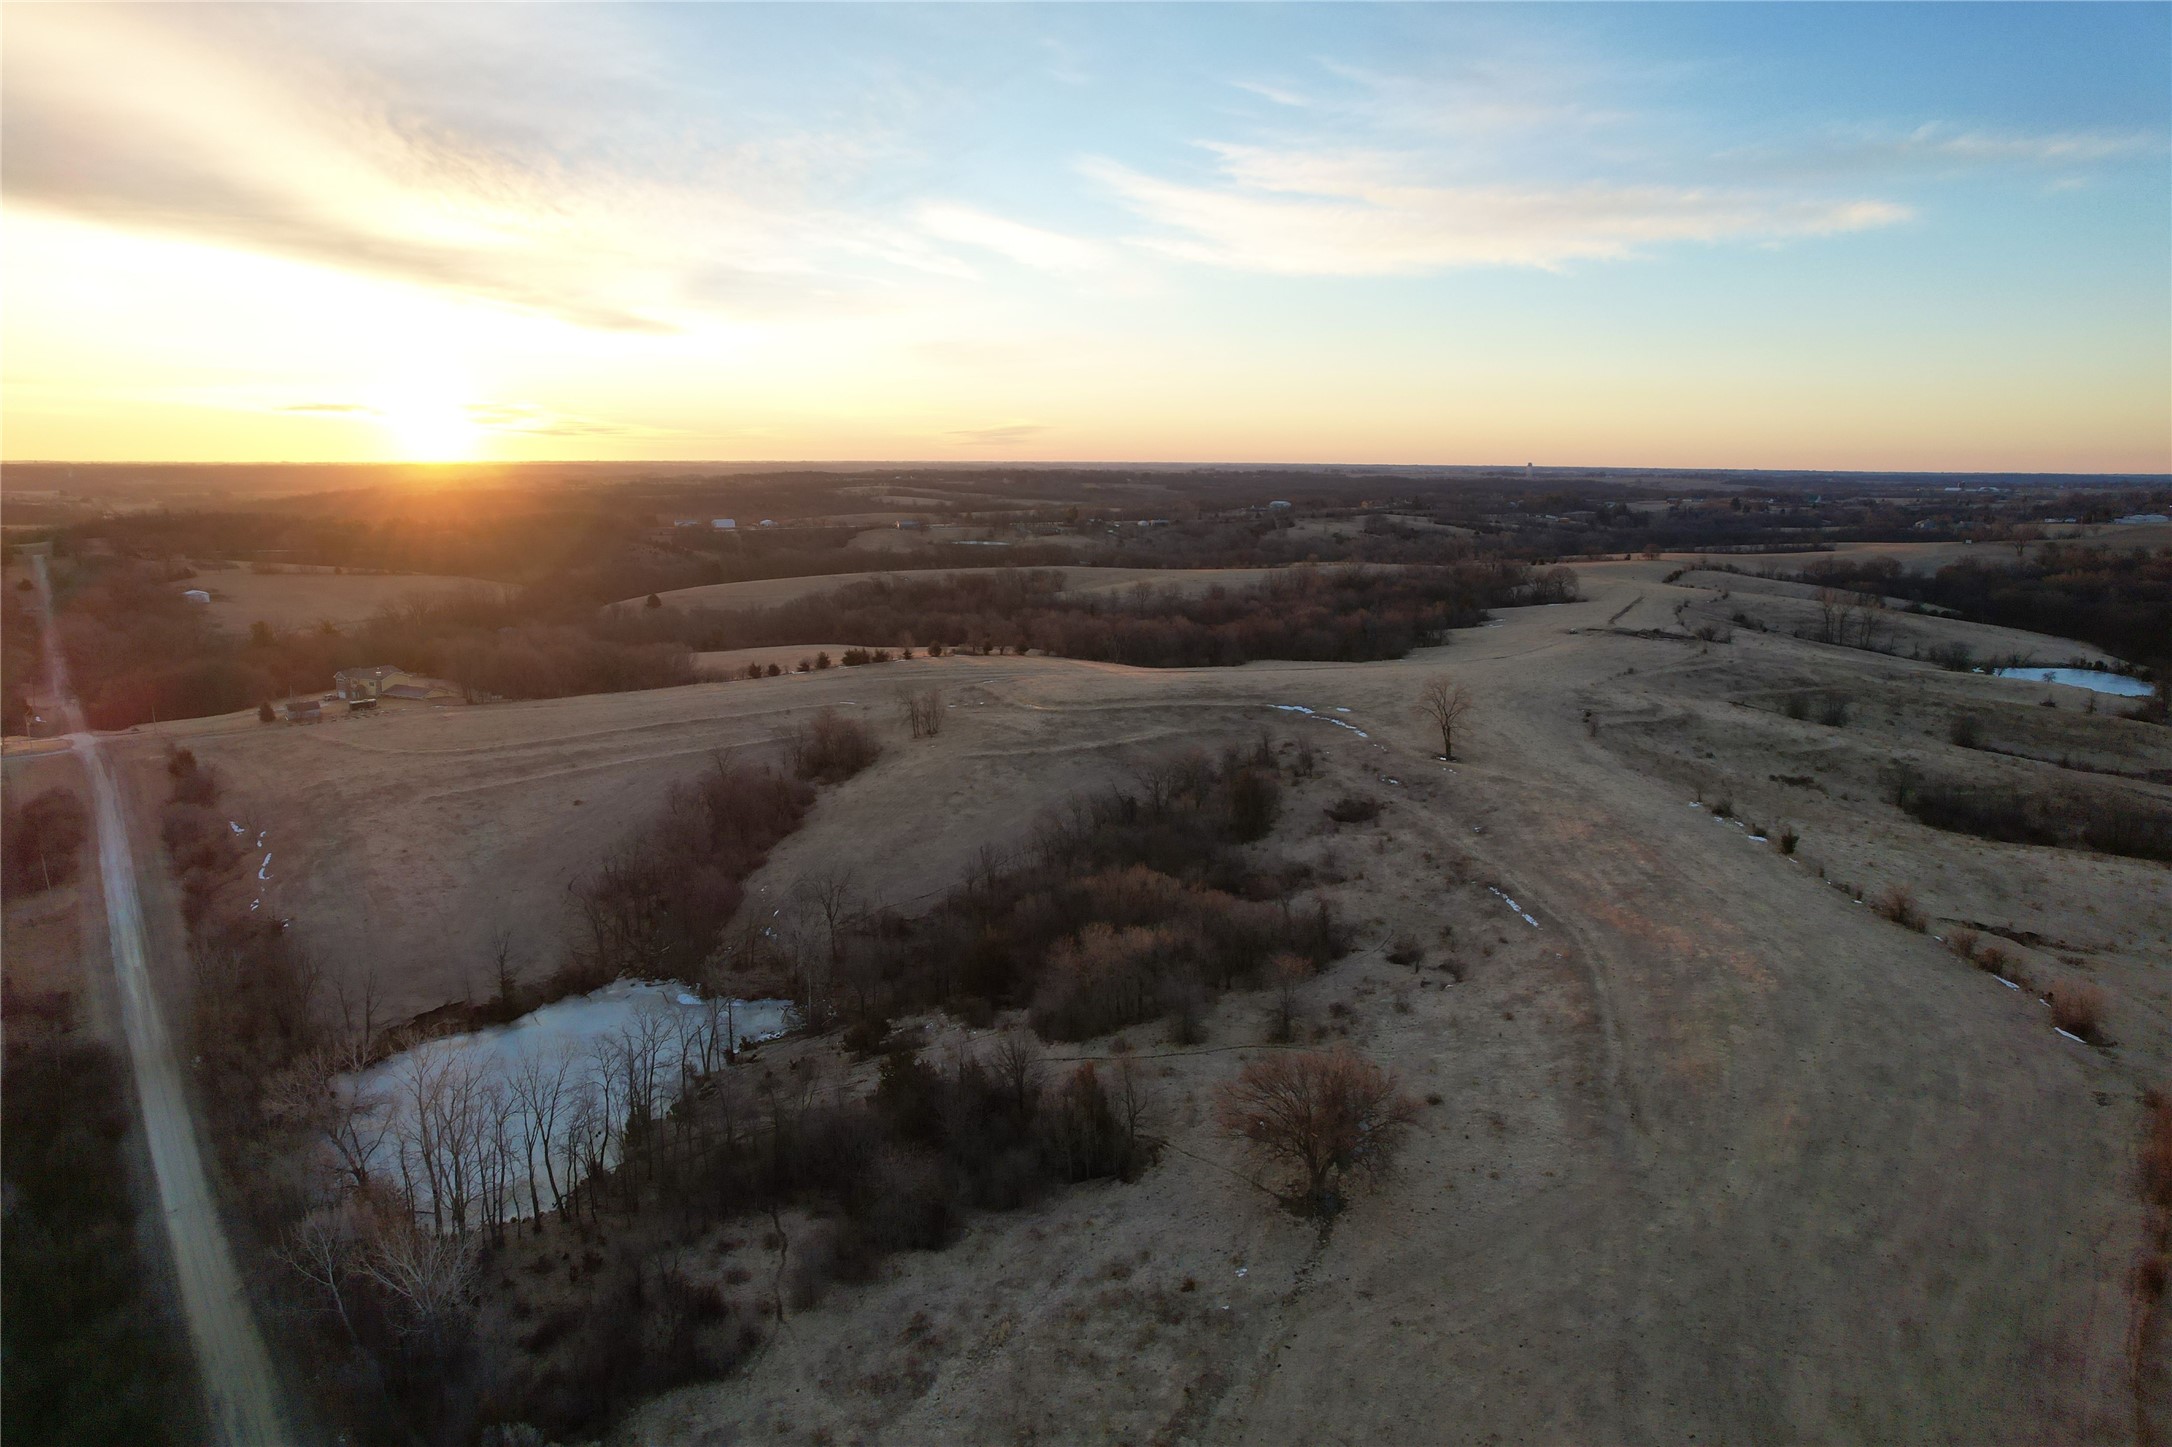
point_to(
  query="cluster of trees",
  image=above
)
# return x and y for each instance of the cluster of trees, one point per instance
(1307, 613)
(1131, 904)
(91, 1357)
(657, 905)
(253, 991)
(2102, 819)
(22, 657)
(139, 653)
(2119, 600)
(41, 841)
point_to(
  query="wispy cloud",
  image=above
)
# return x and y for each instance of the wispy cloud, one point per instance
(1026, 245)
(505, 177)
(1008, 434)
(535, 420)
(1364, 214)
(1935, 148)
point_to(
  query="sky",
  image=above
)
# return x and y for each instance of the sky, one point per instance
(1823, 236)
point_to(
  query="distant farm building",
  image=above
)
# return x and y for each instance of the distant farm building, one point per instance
(367, 685)
(197, 596)
(1278, 504)
(724, 525)
(304, 710)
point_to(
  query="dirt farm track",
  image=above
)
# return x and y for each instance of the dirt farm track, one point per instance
(1720, 1155)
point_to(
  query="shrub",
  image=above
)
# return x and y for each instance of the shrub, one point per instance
(2077, 1008)
(1789, 839)
(1327, 1117)
(1255, 797)
(1965, 943)
(1833, 710)
(1993, 960)
(1898, 904)
(2157, 1149)
(1964, 732)
(1353, 809)
(831, 748)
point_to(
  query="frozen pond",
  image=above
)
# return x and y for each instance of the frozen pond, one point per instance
(503, 1122)
(2096, 680)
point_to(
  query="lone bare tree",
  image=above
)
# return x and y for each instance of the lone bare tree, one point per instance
(1445, 702)
(923, 711)
(1327, 1117)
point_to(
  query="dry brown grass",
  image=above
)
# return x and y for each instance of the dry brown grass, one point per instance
(2077, 1008)
(1898, 904)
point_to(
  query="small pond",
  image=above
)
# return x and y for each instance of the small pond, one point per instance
(503, 1121)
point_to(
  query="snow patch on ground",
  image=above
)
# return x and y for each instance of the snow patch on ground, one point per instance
(1514, 906)
(1323, 718)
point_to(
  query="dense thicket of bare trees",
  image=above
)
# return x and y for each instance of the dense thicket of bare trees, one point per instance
(830, 748)
(40, 841)
(1127, 904)
(1345, 614)
(656, 906)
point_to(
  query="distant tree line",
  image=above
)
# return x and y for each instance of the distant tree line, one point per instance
(2118, 599)
(1329, 614)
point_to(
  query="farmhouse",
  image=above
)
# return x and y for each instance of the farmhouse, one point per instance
(386, 680)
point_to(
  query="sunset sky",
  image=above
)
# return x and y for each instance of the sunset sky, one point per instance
(1847, 236)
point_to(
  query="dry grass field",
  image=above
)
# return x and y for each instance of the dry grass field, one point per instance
(1712, 1150)
(304, 599)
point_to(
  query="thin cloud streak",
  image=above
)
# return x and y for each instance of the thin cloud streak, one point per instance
(1352, 214)
(1026, 245)
(1009, 434)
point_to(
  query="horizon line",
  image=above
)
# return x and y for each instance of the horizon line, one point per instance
(1164, 465)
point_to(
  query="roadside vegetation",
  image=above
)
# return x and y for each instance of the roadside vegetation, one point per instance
(92, 1356)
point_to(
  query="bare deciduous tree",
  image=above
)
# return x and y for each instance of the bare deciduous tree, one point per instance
(426, 1275)
(923, 711)
(321, 1248)
(1326, 1116)
(831, 894)
(1445, 702)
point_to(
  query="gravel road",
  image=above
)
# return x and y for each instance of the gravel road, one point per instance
(242, 1392)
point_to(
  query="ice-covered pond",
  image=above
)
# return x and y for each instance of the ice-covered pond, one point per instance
(2096, 680)
(501, 1123)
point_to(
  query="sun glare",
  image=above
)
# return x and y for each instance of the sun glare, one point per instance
(429, 427)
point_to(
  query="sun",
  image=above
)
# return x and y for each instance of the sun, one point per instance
(429, 426)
